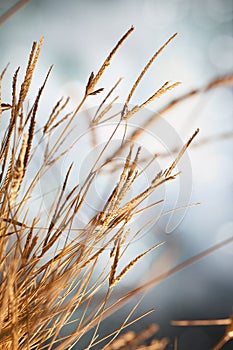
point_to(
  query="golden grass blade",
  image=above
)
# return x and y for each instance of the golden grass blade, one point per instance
(132, 263)
(165, 88)
(58, 108)
(19, 171)
(107, 97)
(33, 58)
(93, 80)
(174, 164)
(146, 69)
(115, 263)
(33, 120)
(8, 133)
(216, 83)
(137, 339)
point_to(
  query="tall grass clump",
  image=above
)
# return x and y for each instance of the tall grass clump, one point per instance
(50, 286)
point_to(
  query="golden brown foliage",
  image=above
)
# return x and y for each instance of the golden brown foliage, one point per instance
(48, 276)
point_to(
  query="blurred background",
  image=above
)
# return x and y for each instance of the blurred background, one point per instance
(78, 37)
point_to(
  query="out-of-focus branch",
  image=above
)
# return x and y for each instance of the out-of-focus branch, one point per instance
(220, 322)
(12, 10)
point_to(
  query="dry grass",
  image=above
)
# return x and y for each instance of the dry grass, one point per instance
(228, 336)
(48, 276)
